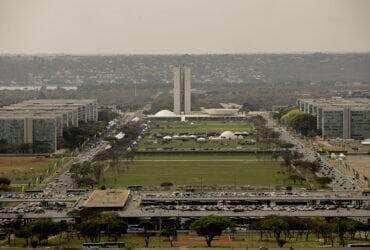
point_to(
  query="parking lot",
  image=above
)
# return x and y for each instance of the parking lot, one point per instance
(187, 204)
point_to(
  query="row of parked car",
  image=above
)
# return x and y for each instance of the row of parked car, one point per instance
(242, 208)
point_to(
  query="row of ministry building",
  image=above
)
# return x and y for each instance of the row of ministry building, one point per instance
(43, 121)
(339, 117)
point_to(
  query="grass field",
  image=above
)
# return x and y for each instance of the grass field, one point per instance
(192, 144)
(153, 139)
(23, 170)
(196, 170)
(207, 169)
(201, 127)
(205, 156)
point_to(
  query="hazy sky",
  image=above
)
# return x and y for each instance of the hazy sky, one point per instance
(184, 26)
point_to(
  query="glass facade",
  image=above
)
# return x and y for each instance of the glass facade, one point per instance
(12, 130)
(340, 118)
(41, 122)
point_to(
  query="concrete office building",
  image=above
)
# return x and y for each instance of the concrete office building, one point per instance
(69, 115)
(339, 117)
(182, 91)
(87, 108)
(41, 122)
(43, 131)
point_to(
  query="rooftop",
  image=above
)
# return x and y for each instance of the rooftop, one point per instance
(338, 102)
(110, 198)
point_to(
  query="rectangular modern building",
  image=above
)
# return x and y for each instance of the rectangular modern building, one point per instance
(339, 117)
(41, 122)
(182, 91)
(44, 132)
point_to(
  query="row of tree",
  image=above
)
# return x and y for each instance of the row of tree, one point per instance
(264, 134)
(74, 137)
(282, 229)
(87, 174)
(303, 123)
(36, 232)
(37, 147)
(118, 157)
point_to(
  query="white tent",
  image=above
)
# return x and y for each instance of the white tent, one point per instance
(228, 135)
(120, 135)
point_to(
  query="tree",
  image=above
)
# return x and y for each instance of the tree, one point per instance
(170, 233)
(303, 123)
(42, 229)
(4, 183)
(112, 225)
(107, 115)
(75, 136)
(98, 169)
(321, 227)
(277, 225)
(86, 181)
(365, 229)
(81, 170)
(147, 225)
(290, 156)
(91, 229)
(117, 229)
(12, 226)
(210, 227)
(167, 185)
(25, 233)
(323, 181)
(281, 242)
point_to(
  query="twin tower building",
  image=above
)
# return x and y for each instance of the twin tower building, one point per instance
(181, 90)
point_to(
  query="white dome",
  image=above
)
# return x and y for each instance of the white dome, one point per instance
(165, 113)
(366, 142)
(228, 135)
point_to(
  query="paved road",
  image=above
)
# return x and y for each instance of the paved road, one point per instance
(340, 182)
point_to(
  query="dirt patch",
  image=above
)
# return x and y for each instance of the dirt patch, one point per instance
(361, 163)
(22, 169)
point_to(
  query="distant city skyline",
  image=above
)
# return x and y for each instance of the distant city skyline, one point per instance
(184, 26)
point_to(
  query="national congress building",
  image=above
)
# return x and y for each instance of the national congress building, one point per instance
(182, 91)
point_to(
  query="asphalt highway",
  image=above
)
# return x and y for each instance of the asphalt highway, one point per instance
(340, 182)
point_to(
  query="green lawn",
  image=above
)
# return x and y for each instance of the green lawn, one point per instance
(192, 144)
(203, 156)
(151, 172)
(201, 127)
(193, 169)
(153, 139)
